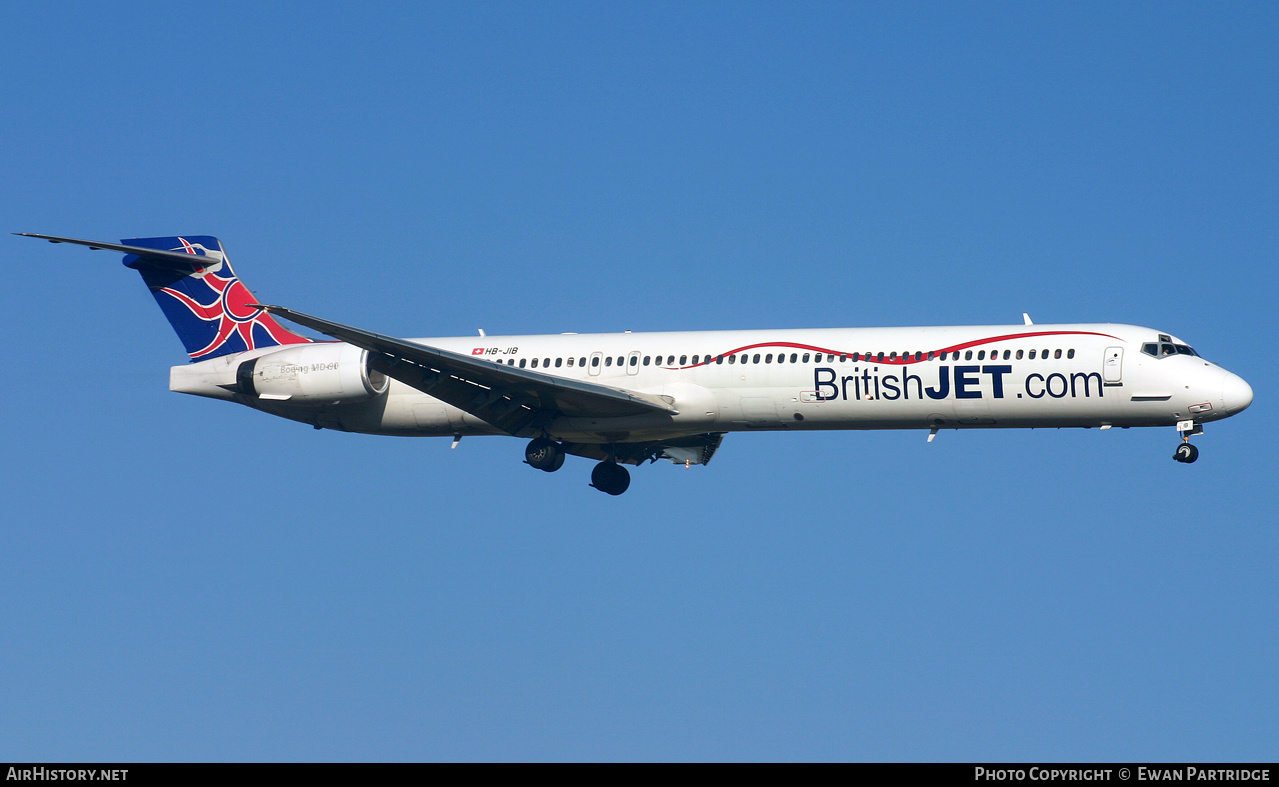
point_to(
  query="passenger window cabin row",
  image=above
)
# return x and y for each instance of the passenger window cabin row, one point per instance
(781, 358)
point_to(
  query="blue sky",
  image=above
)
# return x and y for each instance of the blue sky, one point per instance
(184, 579)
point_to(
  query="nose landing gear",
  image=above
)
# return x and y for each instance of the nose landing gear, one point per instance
(1186, 452)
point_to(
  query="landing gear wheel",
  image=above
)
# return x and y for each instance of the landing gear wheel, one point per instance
(1186, 453)
(610, 478)
(544, 454)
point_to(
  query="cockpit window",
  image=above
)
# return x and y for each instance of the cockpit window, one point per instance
(1165, 349)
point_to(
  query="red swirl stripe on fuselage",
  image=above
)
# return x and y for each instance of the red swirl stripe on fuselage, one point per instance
(900, 361)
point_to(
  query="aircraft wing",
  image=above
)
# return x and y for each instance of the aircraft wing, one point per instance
(504, 396)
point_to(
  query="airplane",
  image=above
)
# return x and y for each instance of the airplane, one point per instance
(629, 398)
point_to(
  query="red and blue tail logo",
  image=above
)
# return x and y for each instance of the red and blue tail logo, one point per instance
(208, 306)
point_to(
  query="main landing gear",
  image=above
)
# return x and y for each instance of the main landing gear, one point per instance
(1186, 452)
(544, 454)
(608, 476)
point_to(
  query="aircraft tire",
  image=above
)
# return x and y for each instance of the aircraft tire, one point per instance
(544, 454)
(610, 478)
(1186, 453)
(557, 463)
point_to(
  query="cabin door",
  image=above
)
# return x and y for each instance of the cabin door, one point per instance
(1113, 366)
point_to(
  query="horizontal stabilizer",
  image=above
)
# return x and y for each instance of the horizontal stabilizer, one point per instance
(179, 261)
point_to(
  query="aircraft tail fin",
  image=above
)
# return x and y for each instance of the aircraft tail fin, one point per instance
(213, 313)
(211, 310)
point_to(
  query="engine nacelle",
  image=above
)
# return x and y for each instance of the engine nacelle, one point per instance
(315, 374)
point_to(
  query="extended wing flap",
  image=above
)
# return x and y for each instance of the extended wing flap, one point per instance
(504, 396)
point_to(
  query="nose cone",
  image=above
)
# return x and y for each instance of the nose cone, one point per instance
(1236, 394)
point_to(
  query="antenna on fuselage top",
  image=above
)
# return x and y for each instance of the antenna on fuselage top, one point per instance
(1024, 316)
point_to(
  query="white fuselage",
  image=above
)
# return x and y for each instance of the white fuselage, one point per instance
(1081, 375)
